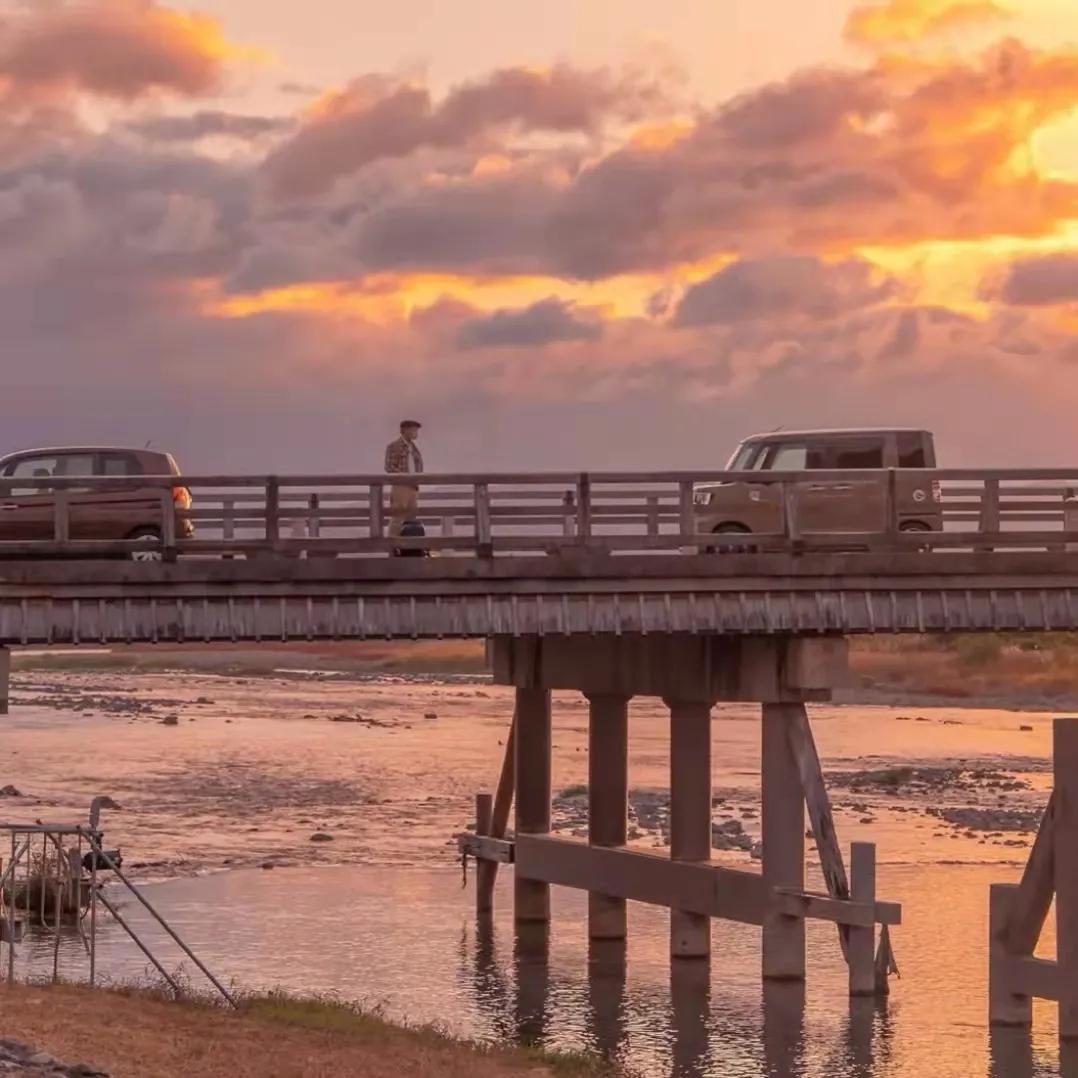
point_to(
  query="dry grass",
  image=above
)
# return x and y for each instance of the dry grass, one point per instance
(137, 1034)
(1031, 669)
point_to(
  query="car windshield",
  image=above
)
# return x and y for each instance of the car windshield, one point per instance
(744, 457)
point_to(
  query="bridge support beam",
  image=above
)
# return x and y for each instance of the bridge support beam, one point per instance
(532, 755)
(5, 680)
(690, 815)
(608, 801)
(783, 825)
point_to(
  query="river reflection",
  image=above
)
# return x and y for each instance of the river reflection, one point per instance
(408, 942)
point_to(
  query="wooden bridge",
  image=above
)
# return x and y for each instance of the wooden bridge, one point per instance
(596, 583)
(310, 557)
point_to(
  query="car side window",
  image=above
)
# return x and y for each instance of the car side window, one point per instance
(119, 464)
(36, 471)
(860, 454)
(911, 451)
(789, 458)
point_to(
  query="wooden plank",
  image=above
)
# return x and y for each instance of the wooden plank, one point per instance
(532, 764)
(1033, 899)
(843, 911)
(819, 807)
(1007, 1006)
(485, 849)
(608, 801)
(783, 824)
(699, 887)
(1065, 846)
(1037, 978)
(861, 939)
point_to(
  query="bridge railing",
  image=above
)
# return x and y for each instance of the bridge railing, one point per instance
(489, 514)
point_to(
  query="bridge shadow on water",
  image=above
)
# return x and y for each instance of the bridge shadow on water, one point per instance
(690, 1034)
(691, 1028)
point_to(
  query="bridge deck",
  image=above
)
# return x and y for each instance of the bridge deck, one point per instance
(358, 598)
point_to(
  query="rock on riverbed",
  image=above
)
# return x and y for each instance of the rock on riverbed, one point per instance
(16, 1058)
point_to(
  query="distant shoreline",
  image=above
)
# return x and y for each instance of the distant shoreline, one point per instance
(1035, 672)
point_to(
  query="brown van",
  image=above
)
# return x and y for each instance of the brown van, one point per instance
(825, 505)
(130, 513)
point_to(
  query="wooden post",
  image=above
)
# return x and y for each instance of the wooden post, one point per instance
(484, 817)
(273, 511)
(606, 994)
(989, 520)
(783, 823)
(532, 756)
(690, 814)
(5, 680)
(168, 525)
(376, 507)
(608, 801)
(487, 875)
(862, 940)
(1004, 1006)
(61, 520)
(314, 518)
(690, 1006)
(583, 507)
(484, 539)
(686, 512)
(1070, 518)
(1065, 753)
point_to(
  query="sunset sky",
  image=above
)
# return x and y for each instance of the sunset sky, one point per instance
(601, 233)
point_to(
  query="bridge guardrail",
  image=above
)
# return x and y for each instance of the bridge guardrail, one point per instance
(489, 514)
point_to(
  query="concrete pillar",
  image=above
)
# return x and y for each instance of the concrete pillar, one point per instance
(783, 825)
(1065, 756)
(608, 800)
(532, 754)
(5, 680)
(690, 814)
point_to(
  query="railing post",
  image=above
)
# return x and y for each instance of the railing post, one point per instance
(377, 511)
(653, 515)
(1070, 517)
(168, 524)
(228, 522)
(568, 514)
(791, 526)
(583, 507)
(484, 542)
(687, 514)
(273, 510)
(989, 521)
(448, 526)
(61, 520)
(890, 524)
(314, 520)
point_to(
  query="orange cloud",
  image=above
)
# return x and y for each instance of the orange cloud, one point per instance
(899, 21)
(121, 49)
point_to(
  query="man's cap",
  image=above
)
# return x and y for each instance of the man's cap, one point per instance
(410, 423)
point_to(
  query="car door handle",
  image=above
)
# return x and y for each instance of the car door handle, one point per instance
(830, 488)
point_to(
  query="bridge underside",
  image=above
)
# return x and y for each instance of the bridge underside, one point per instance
(400, 598)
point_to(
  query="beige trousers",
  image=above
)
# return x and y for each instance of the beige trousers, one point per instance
(403, 503)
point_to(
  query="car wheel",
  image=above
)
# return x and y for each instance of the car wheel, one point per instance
(151, 549)
(730, 529)
(918, 527)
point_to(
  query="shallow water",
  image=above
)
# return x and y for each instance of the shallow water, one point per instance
(379, 913)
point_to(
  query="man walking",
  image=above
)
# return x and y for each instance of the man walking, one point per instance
(403, 458)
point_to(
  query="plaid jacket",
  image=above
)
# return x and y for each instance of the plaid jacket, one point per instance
(397, 457)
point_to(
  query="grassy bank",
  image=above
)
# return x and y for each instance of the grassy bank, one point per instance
(1027, 670)
(132, 1034)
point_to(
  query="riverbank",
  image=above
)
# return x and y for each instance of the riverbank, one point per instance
(1028, 672)
(132, 1034)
